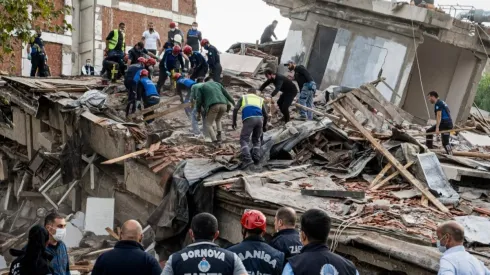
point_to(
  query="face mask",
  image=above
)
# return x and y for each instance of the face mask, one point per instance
(442, 248)
(172, 29)
(151, 29)
(60, 234)
(194, 28)
(206, 47)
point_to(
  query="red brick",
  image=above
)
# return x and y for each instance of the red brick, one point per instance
(136, 24)
(187, 7)
(160, 4)
(58, 4)
(12, 63)
(54, 52)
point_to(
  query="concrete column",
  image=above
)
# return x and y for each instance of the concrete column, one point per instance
(464, 111)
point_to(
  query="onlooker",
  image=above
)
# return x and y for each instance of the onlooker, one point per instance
(456, 260)
(268, 32)
(33, 260)
(286, 86)
(174, 30)
(315, 257)
(115, 45)
(203, 232)
(139, 51)
(216, 102)
(88, 69)
(56, 226)
(128, 256)
(194, 37)
(37, 55)
(151, 39)
(213, 60)
(287, 237)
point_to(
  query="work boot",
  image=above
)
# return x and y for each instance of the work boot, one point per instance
(218, 136)
(302, 118)
(246, 163)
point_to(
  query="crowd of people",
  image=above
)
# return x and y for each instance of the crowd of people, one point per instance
(289, 251)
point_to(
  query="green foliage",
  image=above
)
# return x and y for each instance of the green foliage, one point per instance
(482, 98)
(19, 19)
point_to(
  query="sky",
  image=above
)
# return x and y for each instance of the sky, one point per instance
(225, 22)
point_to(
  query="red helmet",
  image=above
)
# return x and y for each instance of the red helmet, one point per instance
(176, 50)
(144, 72)
(126, 58)
(141, 60)
(172, 25)
(204, 42)
(151, 62)
(253, 219)
(177, 76)
(188, 50)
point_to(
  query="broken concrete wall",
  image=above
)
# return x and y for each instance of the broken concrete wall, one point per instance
(142, 182)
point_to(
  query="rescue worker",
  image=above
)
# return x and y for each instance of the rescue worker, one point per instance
(115, 45)
(284, 85)
(443, 122)
(186, 84)
(37, 55)
(174, 30)
(194, 37)
(88, 69)
(254, 119)
(315, 256)
(306, 85)
(215, 68)
(198, 63)
(131, 79)
(169, 65)
(203, 256)
(257, 256)
(268, 32)
(146, 92)
(110, 66)
(216, 101)
(183, 85)
(286, 238)
(150, 66)
(139, 51)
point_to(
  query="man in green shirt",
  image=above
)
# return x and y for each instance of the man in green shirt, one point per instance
(216, 101)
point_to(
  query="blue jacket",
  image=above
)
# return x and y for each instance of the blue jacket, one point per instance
(147, 91)
(258, 257)
(186, 82)
(287, 241)
(197, 61)
(60, 262)
(127, 258)
(169, 61)
(133, 74)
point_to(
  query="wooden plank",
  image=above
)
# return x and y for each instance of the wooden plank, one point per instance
(121, 158)
(112, 233)
(333, 117)
(354, 102)
(168, 111)
(333, 193)
(369, 100)
(445, 131)
(380, 175)
(464, 154)
(385, 181)
(403, 171)
(155, 107)
(161, 166)
(391, 108)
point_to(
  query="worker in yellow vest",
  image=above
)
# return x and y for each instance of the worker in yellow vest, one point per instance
(115, 44)
(254, 119)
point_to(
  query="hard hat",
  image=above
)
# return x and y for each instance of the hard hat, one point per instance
(176, 50)
(144, 72)
(172, 25)
(204, 42)
(141, 59)
(177, 76)
(188, 50)
(253, 219)
(151, 62)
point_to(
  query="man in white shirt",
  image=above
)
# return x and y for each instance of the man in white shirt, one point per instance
(456, 260)
(151, 39)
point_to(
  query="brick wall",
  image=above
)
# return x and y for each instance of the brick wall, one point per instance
(187, 7)
(54, 52)
(56, 21)
(12, 63)
(136, 24)
(160, 4)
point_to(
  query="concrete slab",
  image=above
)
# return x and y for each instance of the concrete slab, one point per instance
(73, 236)
(237, 64)
(99, 215)
(475, 139)
(46, 140)
(454, 172)
(142, 182)
(3, 167)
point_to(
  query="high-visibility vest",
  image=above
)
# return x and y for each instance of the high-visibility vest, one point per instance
(251, 106)
(115, 39)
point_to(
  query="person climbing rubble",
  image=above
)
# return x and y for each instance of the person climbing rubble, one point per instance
(306, 85)
(131, 80)
(214, 62)
(443, 122)
(284, 85)
(169, 65)
(147, 93)
(254, 119)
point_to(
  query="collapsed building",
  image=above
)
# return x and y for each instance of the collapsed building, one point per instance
(351, 42)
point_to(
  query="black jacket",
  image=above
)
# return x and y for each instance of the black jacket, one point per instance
(19, 265)
(282, 83)
(127, 257)
(213, 57)
(302, 76)
(288, 242)
(258, 257)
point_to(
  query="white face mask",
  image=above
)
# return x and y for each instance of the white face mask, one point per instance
(194, 28)
(172, 29)
(60, 234)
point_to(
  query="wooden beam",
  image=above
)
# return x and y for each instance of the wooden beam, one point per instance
(465, 154)
(127, 156)
(385, 181)
(389, 107)
(377, 121)
(155, 107)
(112, 233)
(333, 117)
(380, 175)
(403, 171)
(168, 111)
(445, 131)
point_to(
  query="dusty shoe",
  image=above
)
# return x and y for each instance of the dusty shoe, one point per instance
(245, 164)
(218, 136)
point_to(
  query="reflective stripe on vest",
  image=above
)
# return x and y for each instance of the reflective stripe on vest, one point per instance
(252, 100)
(115, 39)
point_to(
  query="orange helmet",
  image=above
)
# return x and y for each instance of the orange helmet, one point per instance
(151, 62)
(176, 50)
(141, 60)
(204, 42)
(177, 76)
(144, 72)
(188, 50)
(253, 219)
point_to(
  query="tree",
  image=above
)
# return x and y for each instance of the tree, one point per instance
(19, 19)
(482, 98)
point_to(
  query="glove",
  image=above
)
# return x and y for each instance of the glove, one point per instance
(233, 126)
(168, 73)
(29, 57)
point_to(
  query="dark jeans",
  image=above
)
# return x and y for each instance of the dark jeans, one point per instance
(199, 73)
(38, 63)
(215, 73)
(284, 102)
(251, 127)
(162, 77)
(120, 57)
(445, 125)
(149, 104)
